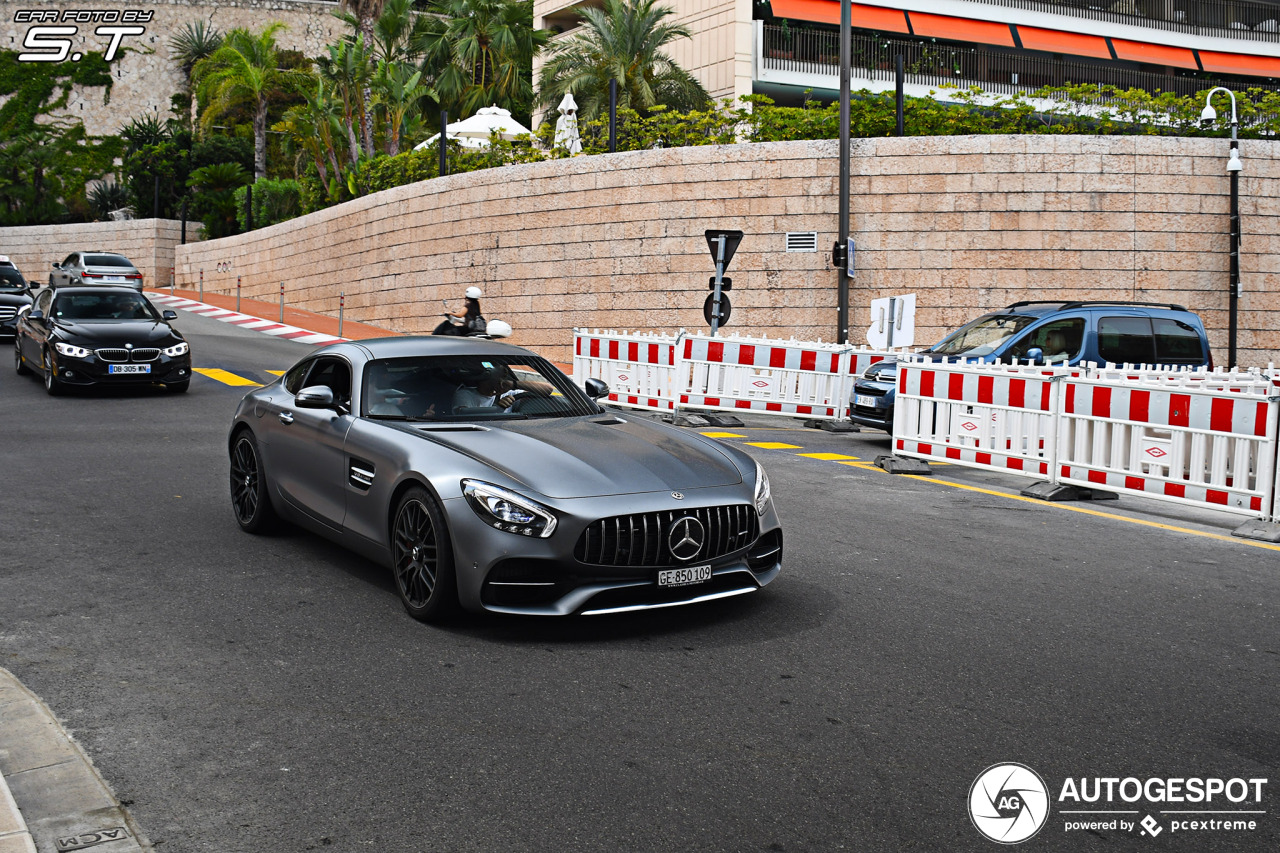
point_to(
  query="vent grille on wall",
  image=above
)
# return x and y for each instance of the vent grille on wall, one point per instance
(802, 241)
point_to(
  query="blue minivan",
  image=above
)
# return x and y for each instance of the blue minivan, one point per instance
(1052, 333)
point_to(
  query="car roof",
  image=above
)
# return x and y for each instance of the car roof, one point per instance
(420, 345)
(98, 288)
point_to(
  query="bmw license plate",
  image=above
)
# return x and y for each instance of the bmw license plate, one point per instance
(684, 577)
(129, 368)
(864, 400)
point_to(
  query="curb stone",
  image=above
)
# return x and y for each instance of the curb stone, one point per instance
(53, 799)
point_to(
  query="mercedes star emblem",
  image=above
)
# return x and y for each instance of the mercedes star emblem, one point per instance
(677, 495)
(685, 538)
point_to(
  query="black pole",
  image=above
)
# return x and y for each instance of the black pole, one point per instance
(1234, 300)
(444, 151)
(184, 219)
(155, 205)
(846, 51)
(613, 114)
(248, 207)
(900, 79)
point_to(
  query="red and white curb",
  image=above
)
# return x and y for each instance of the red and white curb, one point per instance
(244, 321)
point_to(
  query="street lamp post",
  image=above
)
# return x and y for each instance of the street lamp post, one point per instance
(1207, 117)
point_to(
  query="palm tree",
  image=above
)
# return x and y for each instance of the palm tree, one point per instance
(623, 41)
(480, 52)
(364, 14)
(348, 69)
(399, 95)
(194, 42)
(245, 70)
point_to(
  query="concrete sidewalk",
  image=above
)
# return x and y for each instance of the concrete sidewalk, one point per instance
(51, 796)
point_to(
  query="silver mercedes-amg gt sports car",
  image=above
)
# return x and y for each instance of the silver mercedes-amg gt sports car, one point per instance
(485, 478)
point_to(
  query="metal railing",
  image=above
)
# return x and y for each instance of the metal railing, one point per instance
(930, 64)
(1239, 19)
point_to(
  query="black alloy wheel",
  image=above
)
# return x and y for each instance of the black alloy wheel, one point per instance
(249, 499)
(19, 366)
(422, 558)
(52, 384)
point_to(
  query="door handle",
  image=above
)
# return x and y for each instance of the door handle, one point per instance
(286, 418)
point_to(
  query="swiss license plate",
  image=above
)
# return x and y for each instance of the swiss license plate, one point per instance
(113, 278)
(685, 576)
(864, 400)
(129, 368)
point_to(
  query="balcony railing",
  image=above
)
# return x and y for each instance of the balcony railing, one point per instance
(818, 52)
(1238, 19)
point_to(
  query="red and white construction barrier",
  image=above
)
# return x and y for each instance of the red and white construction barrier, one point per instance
(639, 368)
(1199, 437)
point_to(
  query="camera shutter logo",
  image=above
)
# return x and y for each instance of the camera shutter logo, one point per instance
(1008, 803)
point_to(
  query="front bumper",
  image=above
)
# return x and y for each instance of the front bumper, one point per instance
(165, 370)
(508, 573)
(879, 413)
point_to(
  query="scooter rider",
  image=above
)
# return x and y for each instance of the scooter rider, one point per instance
(473, 323)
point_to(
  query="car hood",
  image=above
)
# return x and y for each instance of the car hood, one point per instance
(118, 332)
(594, 456)
(14, 299)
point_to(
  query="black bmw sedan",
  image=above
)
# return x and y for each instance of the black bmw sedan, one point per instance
(15, 293)
(103, 335)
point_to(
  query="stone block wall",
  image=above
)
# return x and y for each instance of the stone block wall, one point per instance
(149, 243)
(968, 223)
(146, 76)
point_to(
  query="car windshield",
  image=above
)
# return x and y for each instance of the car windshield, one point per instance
(470, 388)
(103, 306)
(11, 279)
(107, 261)
(882, 371)
(983, 336)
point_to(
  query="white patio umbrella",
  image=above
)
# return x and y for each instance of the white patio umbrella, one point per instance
(567, 125)
(474, 132)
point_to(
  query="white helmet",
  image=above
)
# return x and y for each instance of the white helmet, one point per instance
(498, 329)
(474, 293)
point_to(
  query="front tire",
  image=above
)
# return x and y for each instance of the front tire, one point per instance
(422, 558)
(52, 384)
(249, 499)
(19, 366)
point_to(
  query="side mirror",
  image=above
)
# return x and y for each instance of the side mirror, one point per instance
(35, 314)
(57, 266)
(170, 315)
(596, 388)
(1035, 355)
(316, 397)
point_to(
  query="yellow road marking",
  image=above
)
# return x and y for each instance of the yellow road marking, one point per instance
(225, 377)
(828, 457)
(773, 445)
(276, 372)
(723, 435)
(866, 466)
(1056, 505)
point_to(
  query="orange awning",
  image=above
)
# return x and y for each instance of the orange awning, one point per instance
(1053, 41)
(960, 29)
(828, 12)
(1156, 54)
(1235, 63)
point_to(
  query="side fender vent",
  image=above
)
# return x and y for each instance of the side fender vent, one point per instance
(360, 474)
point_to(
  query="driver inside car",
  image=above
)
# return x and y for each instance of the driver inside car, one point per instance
(493, 388)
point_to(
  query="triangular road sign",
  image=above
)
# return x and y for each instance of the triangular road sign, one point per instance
(731, 241)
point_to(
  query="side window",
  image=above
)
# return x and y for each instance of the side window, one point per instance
(42, 304)
(1177, 342)
(1060, 341)
(293, 379)
(1126, 340)
(70, 261)
(333, 372)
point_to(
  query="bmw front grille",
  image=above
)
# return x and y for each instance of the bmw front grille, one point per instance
(650, 538)
(118, 356)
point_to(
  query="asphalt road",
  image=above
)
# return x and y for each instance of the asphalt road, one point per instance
(246, 694)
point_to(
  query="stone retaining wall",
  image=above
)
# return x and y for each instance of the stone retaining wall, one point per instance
(149, 243)
(967, 223)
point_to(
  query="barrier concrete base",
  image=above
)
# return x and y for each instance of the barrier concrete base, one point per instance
(703, 419)
(687, 420)
(832, 426)
(1266, 531)
(1058, 492)
(903, 465)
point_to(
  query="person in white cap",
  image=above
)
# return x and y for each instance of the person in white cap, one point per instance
(472, 321)
(567, 126)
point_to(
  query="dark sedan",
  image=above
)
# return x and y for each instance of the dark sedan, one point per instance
(101, 335)
(484, 477)
(15, 294)
(95, 268)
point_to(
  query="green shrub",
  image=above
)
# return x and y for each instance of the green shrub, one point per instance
(274, 200)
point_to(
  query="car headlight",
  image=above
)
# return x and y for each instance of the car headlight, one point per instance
(69, 350)
(763, 493)
(177, 349)
(503, 509)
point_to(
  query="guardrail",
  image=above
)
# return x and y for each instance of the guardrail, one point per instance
(1198, 438)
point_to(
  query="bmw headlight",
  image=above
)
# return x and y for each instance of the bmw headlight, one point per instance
(503, 509)
(73, 352)
(177, 349)
(763, 492)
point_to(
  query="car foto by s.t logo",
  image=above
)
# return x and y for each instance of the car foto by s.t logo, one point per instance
(1008, 803)
(51, 39)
